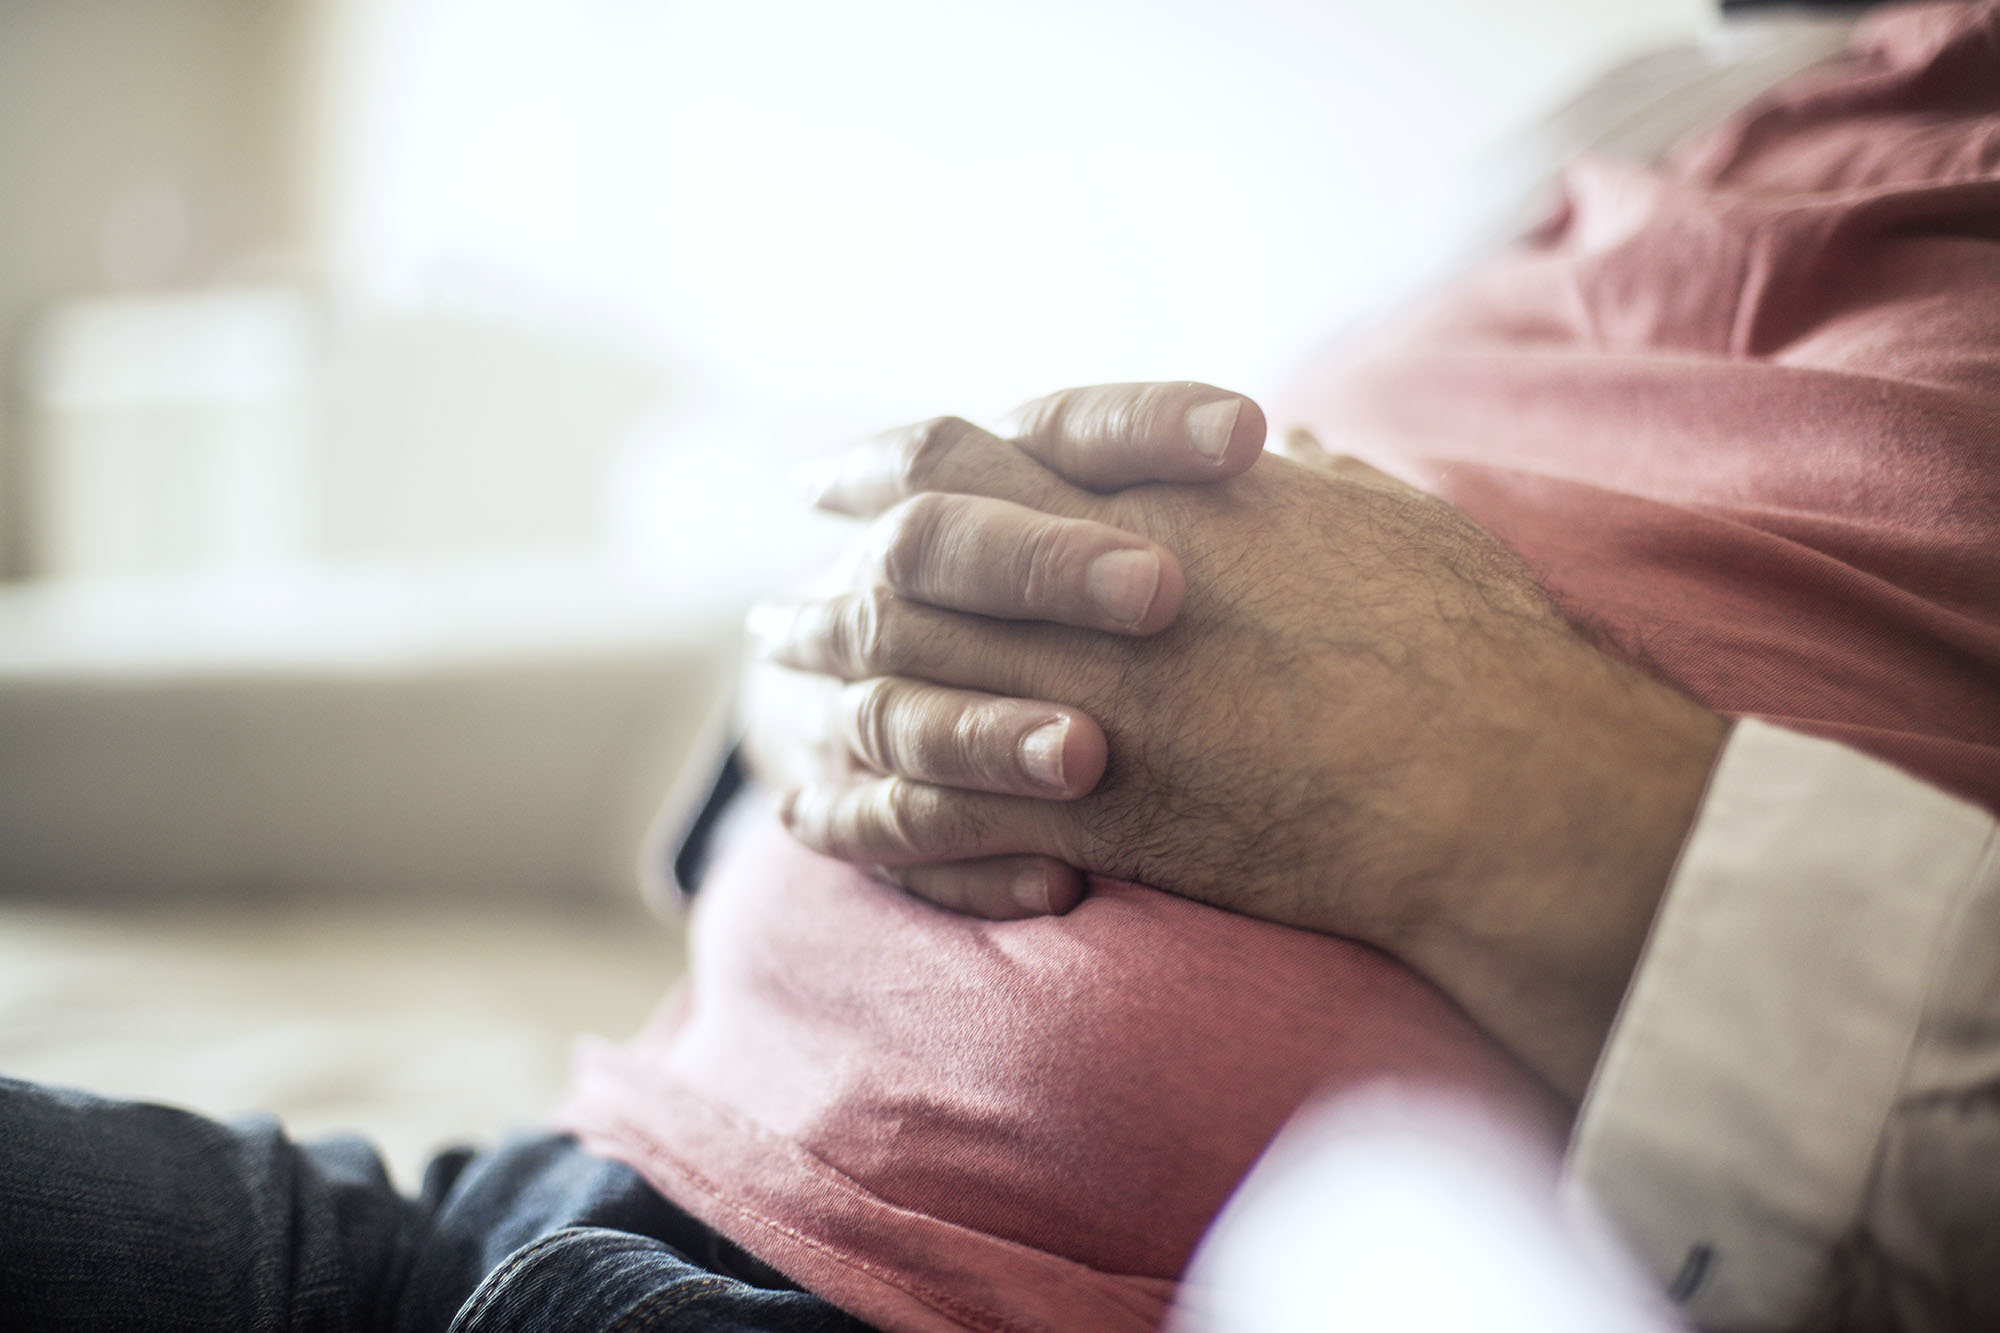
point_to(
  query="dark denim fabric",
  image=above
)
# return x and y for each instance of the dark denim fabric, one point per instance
(116, 1215)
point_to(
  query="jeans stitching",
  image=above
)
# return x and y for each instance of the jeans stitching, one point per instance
(490, 1289)
(668, 1299)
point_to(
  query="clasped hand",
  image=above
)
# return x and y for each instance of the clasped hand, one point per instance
(1128, 641)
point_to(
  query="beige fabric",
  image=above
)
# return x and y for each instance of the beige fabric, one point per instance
(416, 1024)
(497, 735)
(1797, 1118)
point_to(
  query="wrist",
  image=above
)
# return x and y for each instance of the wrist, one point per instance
(1540, 943)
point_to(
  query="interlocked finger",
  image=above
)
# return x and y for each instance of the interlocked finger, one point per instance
(995, 558)
(876, 632)
(894, 822)
(1000, 888)
(959, 738)
(943, 454)
(1068, 445)
(1110, 436)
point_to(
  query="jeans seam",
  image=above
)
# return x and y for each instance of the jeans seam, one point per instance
(668, 1299)
(489, 1289)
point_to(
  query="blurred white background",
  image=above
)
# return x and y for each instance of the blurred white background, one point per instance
(398, 395)
(385, 345)
(424, 280)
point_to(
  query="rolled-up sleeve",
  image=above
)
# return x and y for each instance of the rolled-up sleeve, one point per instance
(1796, 1121)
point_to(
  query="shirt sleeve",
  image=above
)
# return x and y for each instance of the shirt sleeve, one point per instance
(1796, 1120)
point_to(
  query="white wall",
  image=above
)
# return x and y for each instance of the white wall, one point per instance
(815, 218)
(888, 205)
(829, 218)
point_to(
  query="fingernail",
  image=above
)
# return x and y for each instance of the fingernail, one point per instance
(1123, 583)
(1031, 892)
(813, 478)
(767, 626)
(1210, 426)
(1042, 753)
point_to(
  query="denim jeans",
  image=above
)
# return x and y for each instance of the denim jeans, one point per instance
(116, 1215)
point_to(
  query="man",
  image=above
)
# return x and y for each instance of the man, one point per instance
(1783, 1122)
(1325, 698)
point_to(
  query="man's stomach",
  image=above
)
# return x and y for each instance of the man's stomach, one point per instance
(857, 1085)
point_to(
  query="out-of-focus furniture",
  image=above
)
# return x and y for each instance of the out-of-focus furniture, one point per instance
(498, 735)
(354, 848)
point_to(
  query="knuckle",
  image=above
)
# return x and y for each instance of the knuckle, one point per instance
(1050, 564)
(1125, 414)
(874, 703)
(1043, 417)
(896, 819)
(910, 538)
(1156, 409)
(881, 624)
(981, 748)
(926, 447)
(804, 817)
(844, 632)
(861, 632)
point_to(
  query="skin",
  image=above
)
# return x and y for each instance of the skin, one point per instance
(1329, 700)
